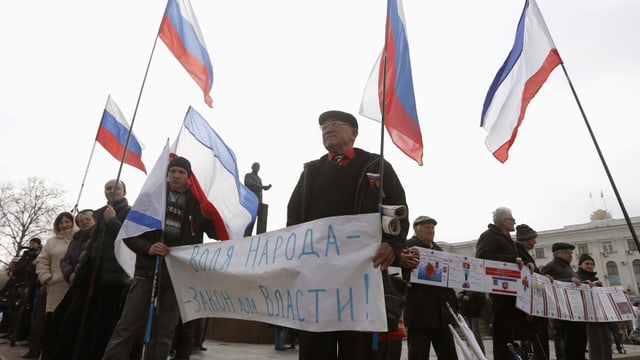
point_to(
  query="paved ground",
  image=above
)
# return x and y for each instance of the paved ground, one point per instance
(239, 351)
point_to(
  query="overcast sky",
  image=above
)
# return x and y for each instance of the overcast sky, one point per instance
(279, 64)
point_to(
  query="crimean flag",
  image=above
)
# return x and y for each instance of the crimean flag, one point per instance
(112, 135)
(215, 181)
(180, 32)
(528, 65)
(399, 107)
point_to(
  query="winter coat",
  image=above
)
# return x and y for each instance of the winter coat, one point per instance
(426, 304)
(49, 270)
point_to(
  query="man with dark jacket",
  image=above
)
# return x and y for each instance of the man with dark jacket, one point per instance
(598, 334)
(98, 283)
(426, 314)
(536, 327)
(496, 244)
(184, 225)
(572, 333)
(346, 181)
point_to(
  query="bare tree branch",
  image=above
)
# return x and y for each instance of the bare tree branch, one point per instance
(30, 208)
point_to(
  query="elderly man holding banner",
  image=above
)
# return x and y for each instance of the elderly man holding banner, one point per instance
(346, 181)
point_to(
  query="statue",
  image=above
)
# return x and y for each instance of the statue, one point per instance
(254, 183)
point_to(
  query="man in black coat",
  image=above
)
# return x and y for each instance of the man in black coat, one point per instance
(573, 334)
(98, 283)
(536, 326)
(496, 244)
(426, 314)
(346, 181)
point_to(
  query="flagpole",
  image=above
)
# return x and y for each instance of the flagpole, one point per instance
(113, 198)
(384, 94)
(153, 307)
(604, 163)
(75, 209)
(375, 343)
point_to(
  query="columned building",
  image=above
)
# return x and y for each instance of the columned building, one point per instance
(607, 240)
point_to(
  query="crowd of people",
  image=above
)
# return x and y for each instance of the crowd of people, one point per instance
(71, 299)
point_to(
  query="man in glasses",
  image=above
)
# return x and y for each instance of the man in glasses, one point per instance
(496, 244)
(345, 181)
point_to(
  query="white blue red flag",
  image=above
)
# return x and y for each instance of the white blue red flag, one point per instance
(147, 213)
(112, 135)
(180, 32)
(389, 90)
(215, 181)
(531, 60)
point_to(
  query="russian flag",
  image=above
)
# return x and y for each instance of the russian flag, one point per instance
(180, 32)
(112, 135)
(399, 107)
(147, 213)
(531, 60)
(215, 181)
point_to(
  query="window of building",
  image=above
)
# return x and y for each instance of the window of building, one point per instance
(583, 248)
(607, 246)
(539, 252)
(612, 272)
(636, 270)
(631, 245)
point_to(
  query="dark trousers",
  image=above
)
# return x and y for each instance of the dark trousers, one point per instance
(389, 350)
(419, 343)
(183, 340)
(37, 327)
(335, 345)
(87, 324)
(574, 338)
(132, 324)
(50, 336)
(199, 332)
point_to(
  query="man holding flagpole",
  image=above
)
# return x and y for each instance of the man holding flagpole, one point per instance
(183, 224)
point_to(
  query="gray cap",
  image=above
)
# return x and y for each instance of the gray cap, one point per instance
(424, 219)
(340, 116)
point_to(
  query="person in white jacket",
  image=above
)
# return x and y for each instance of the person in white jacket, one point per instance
(50, 274)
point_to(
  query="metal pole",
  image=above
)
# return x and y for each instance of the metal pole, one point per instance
(604, 163)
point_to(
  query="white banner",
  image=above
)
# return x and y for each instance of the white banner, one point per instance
(314, 276)
(534, 293)
(566, 301)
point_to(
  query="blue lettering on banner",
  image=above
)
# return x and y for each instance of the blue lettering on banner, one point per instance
(308, 241)
(207, 262)
(205, 300)
(248, 305)
(348, 302)
(291, 237)
(317, 301)
(264, 251)
(282, 305)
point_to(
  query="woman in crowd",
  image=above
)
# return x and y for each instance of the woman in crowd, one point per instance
(51, 277)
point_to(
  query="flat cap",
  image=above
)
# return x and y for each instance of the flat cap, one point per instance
(562, 246)
(424, 220)
(339, 116)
